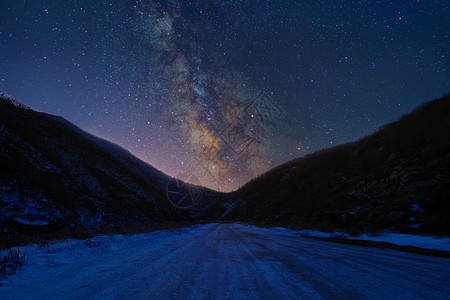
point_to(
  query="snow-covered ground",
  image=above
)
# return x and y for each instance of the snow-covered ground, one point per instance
(426, 242)
(223, 261)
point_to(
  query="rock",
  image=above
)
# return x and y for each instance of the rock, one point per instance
(396, 215)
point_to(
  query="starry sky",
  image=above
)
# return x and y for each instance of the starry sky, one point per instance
(220, 91)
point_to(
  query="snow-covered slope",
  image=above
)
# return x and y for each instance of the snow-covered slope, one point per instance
(53, 176)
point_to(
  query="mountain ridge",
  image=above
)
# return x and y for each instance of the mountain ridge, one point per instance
(55, 176)
(377, 183)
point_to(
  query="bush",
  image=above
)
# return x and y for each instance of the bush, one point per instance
(10, 261)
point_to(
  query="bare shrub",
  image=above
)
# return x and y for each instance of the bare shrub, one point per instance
(11, 260)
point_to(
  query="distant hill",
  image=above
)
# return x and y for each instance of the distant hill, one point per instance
(53, 176)
(397, 178)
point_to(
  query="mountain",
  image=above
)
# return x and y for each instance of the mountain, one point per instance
(397, 179)
(55, 176)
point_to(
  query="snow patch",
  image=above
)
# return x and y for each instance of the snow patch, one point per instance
(426, 242)
(416, 207)
(30, 222)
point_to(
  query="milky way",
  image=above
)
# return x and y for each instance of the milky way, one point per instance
(224, 120)
(222, 91)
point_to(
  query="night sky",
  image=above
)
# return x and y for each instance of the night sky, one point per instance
(222, 91)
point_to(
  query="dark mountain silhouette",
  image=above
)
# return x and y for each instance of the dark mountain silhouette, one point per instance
(397, 178)
(53, 176)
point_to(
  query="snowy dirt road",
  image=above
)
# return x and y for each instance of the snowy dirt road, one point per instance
(225, 261)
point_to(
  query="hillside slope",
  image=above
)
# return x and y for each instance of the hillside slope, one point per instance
(53, 175)
(397, 178)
